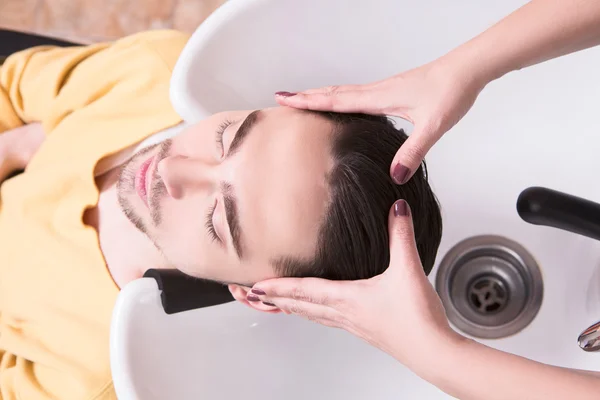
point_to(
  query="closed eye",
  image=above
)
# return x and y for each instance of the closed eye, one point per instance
(219, 135)
(210, 227)
(230, 202)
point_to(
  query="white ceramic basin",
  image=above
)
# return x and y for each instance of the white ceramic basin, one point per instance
(537, 127)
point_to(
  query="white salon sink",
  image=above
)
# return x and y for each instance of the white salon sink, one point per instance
(537, 127)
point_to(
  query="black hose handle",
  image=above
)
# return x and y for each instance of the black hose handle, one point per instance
(543, 206)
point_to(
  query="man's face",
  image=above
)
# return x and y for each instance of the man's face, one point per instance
(233, 192)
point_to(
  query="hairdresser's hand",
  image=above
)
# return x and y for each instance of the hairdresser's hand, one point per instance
(433, 97)
(398, 311)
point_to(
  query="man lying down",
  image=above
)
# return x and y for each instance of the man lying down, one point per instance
(239, 197)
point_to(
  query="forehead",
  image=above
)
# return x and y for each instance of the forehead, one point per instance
(282, 183)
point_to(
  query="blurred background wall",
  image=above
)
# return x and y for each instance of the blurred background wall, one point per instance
(89, 21)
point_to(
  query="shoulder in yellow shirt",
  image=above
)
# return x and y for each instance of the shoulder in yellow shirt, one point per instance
(56, 295)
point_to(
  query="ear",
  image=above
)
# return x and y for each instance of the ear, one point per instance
(242, 293)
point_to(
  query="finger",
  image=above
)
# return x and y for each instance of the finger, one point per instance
(403, 248)
(336, 99)
(322, 90)
(411, 154)
(333, 89)
(313, 312)
(268, 308)
(309, 290)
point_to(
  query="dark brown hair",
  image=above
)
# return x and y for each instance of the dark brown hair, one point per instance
(353, 239)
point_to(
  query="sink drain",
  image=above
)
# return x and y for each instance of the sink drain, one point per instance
(490, 286)
(488, 295)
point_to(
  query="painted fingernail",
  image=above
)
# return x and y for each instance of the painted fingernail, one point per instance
(258, 292)
(400, 208)
(400, 174)
(269, 304)
(285, 94)
(252, 298)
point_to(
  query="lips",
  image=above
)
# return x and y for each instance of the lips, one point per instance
(142, 180)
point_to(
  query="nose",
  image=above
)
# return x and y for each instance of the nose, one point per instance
(183, 175)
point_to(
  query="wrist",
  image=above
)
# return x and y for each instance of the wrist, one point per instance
(444, 355)
(473, 65)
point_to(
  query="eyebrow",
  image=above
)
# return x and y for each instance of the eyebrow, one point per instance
(243, 132)
(233, 221)
(231, 209)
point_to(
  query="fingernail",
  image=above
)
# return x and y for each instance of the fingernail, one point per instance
(258, 292)
(400, 174)
(400, 208)
(285, 94)
(269, 304)
(252, 298)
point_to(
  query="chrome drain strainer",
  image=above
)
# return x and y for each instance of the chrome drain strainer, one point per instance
(488, 295)
(491, 286)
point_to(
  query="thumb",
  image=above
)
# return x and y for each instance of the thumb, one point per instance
(403, 248)
(409, 156)
(346, 98)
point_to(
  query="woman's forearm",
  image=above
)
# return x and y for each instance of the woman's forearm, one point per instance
(470, 370)
(538, 31)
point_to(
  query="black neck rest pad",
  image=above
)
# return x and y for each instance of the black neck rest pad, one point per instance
(181, 292)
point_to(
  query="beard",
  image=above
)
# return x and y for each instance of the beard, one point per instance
(126, 188)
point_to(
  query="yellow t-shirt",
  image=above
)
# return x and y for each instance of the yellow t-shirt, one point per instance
(56, 294)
